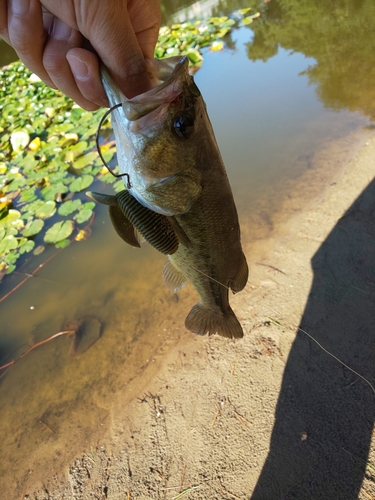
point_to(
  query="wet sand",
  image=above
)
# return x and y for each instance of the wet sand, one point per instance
(271, 416)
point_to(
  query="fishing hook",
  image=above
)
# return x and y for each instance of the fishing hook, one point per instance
(108, 112)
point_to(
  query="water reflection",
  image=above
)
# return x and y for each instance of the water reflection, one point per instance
(338, 35)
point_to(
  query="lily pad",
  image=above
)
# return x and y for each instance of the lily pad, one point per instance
(59, 231)
(33, 227)
(10, 218)
(28, 246)
(85, 160)
(51, 192)
(63, 243)
(7, 244)
(83, 216)
(81, 183)
(46, 210)
(39, 249)
(68, 207)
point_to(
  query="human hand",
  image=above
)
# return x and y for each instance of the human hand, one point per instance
(50, 37)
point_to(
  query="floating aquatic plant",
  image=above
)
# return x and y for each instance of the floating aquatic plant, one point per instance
(48, 157)
(188, 38)
(47, 160)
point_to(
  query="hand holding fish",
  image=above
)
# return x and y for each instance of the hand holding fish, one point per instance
(53, 39)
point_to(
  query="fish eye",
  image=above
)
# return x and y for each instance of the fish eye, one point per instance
(183, 126)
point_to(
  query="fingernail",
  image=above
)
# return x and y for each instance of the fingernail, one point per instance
(79, 68)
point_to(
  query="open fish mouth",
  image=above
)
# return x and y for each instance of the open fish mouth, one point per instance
(165, 76)
(167, 85)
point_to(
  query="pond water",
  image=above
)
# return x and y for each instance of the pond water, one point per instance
(282, 90)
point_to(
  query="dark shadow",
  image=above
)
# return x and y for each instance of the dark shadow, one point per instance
(325, 413)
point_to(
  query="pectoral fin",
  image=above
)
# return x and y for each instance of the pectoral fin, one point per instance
(241, 278)
(123, 227)
(173, 277)
(180, 233)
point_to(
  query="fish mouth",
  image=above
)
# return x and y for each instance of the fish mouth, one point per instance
(168, 77)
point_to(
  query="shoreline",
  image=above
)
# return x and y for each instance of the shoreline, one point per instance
(202, 422)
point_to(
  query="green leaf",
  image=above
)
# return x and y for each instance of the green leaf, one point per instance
(33, 227)
(11, 258)
(194, 56)
(46, 210)
(26, 247)
(246, 21)
(11, 268)
(50, 192)
(28, 195)
(78, 148)
(39, 249)
(11, 218)
(62, 243)
(83, 216)
(7, 244)
(68, 207)
(59, 231)
(118, 186)
(81, 183)
(85, 160)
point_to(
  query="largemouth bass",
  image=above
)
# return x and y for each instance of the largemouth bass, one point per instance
(178, 195)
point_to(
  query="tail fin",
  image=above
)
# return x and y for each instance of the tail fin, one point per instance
(201, 320)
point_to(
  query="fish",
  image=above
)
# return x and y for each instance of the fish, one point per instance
(178, 195)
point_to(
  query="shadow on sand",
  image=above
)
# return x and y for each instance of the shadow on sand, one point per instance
(325, 413)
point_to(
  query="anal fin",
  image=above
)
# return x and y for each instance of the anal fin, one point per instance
(173, 277)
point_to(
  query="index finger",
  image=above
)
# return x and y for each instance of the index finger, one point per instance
(108, 27)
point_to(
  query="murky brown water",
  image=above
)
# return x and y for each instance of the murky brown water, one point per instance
(272, 114)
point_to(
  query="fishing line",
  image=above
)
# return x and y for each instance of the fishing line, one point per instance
(210, 277)
(108, 112)
(337, 359)
(277, 323)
